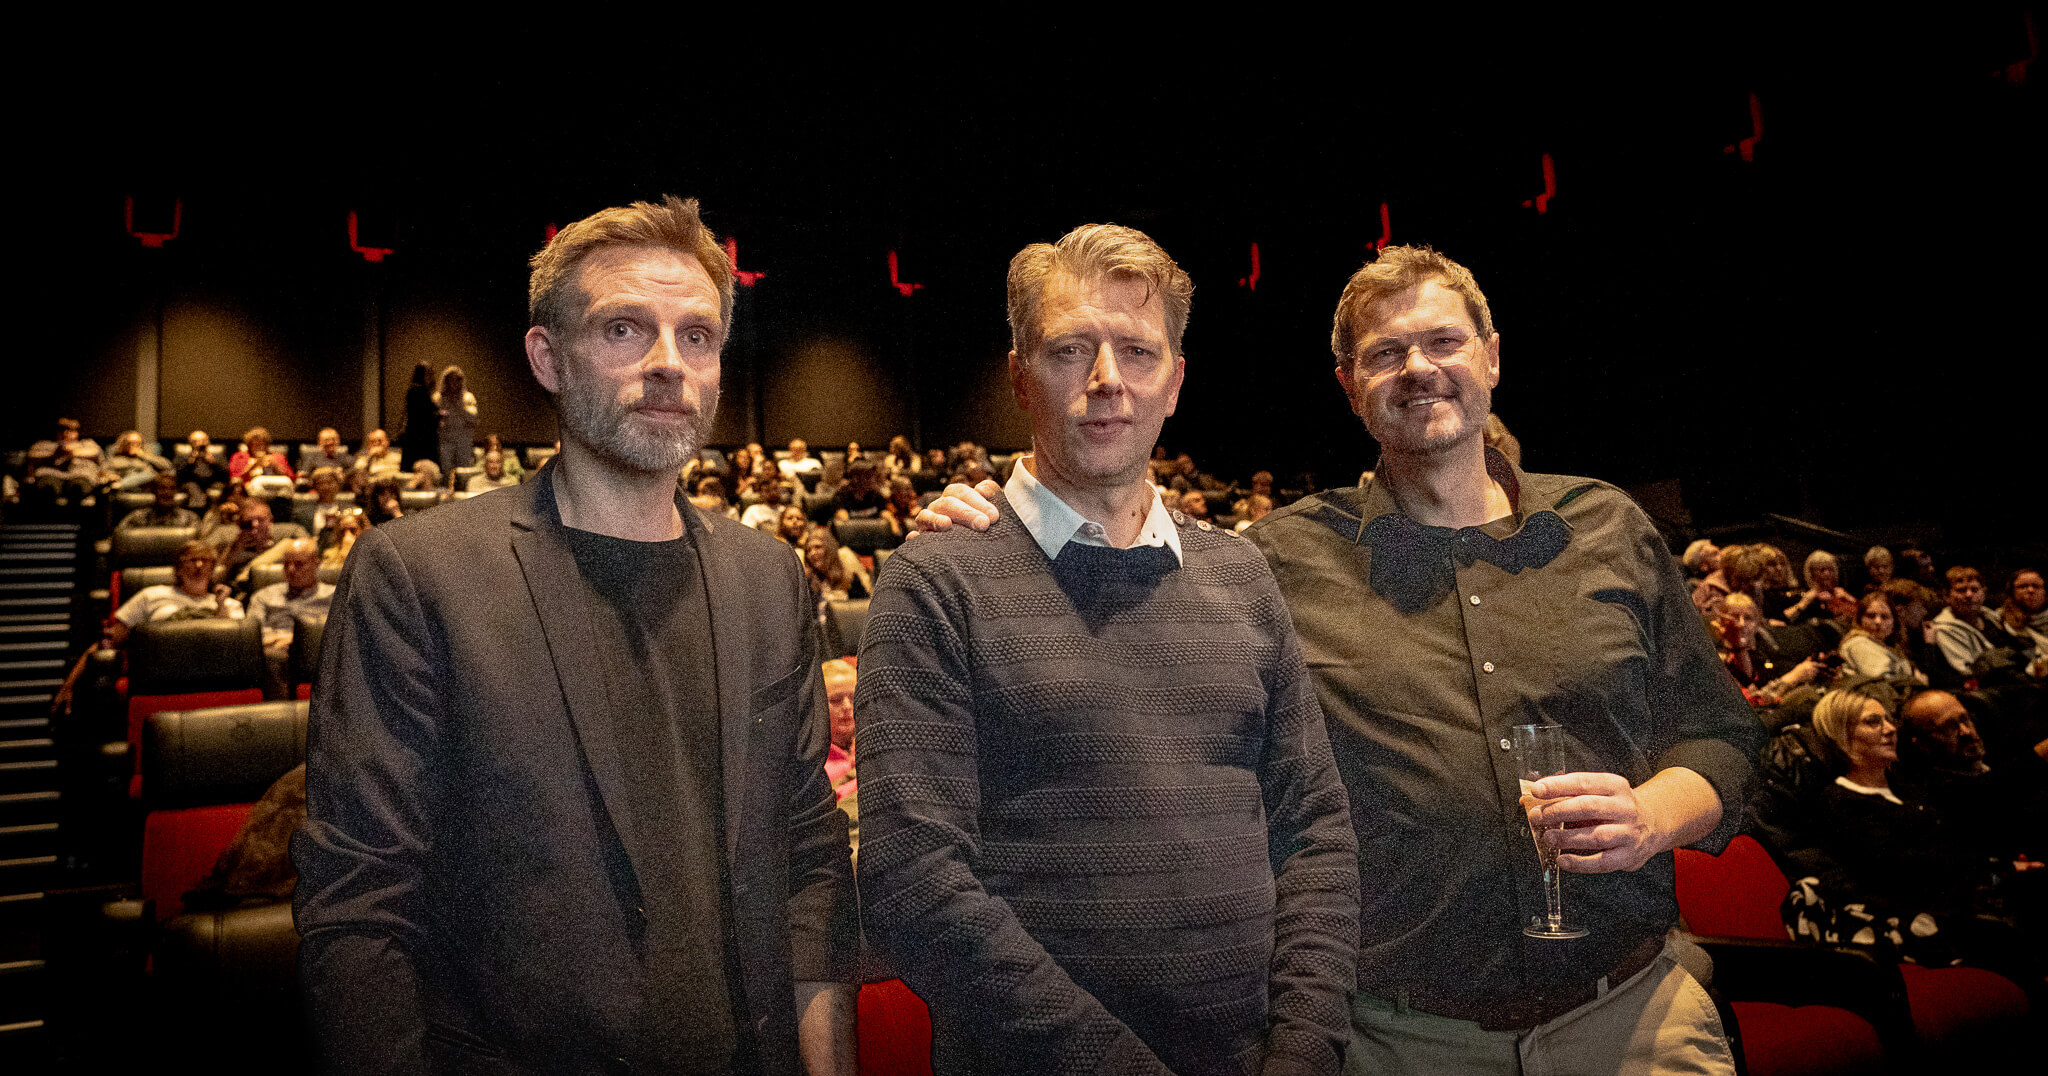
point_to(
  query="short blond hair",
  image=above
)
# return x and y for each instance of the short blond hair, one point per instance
(1088, 252)
(1396, 270)
(554, 296)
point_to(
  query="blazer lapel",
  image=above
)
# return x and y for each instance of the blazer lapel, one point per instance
(731, 650)
(560, 598)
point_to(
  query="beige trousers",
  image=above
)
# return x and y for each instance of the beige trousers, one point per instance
(1658, 1023)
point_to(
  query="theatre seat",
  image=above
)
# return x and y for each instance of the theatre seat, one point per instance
(894, 1031)
(189, 664)
(865, 536)
(844, 622)
(304, 656)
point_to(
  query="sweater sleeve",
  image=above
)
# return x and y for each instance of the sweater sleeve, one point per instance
(960, 948)
(1314, 851)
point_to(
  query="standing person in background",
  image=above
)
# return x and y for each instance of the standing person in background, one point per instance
(456, 409)
(421, 437)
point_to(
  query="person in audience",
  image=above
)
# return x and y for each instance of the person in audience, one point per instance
(131, 465)
(831, 476)
(710, 497)
(854, 453)
(2002, 809)
(1059, 660)
(1961, 629)
(901, 511)
(426, 477)
(384, 501)
(800, 464)
(1764, 679)
(223, 521)
(339, 539)
(67, 465)
(420, 439)
(791, 527)
(494, 475)
(327, 506)
(840, 682)
(770, 496)
(1824, 597)
(193, 593)
(1917, 564)
(1877, 564)
(566, 809)
(162, 512)
(901, 459)
(1702, 558)
(1875, 649)
(455, 406)
(973, 471)
(1741, 572)
(513, 468)
(377, 460)
(835, 573)
(1777, 590)
(257, 540)
(327, 451)
(1194, 504)
(2024, 613)
(1870, 867)
(1252, 509)
(201, 476)
(935, 462)
(257, 460)
(299, 593)
(862, 496)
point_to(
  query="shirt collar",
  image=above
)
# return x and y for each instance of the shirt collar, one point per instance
(1053, 523)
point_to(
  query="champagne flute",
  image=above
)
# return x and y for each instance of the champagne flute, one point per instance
(1540, 753)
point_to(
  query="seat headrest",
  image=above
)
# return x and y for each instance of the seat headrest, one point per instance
(136, 546)
(204, 654)
(226, 754)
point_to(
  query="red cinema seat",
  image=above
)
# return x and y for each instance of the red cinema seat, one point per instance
(895, 1031)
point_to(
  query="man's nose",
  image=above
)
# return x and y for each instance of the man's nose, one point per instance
(1104, 379)
(664, 359)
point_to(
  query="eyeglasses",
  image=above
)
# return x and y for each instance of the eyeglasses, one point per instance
(1445, 345)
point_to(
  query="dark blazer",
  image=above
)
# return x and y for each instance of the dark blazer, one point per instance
(461, 901)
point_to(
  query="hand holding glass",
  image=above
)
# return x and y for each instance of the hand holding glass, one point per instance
(1540, 753)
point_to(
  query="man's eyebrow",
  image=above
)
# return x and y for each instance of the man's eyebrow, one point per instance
(1376, 337)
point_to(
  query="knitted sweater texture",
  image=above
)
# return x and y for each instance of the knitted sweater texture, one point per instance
(1103, 828)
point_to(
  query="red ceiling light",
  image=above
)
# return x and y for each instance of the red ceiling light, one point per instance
(1251, 282)
(732, 254)
(897, 282)
(372, 255)
(152, 240)
(1386, 230)
(1747, 147)
(548, 233)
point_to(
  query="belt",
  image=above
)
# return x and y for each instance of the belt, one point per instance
(1524, 1013)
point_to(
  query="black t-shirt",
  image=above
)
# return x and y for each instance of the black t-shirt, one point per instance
(650, 617)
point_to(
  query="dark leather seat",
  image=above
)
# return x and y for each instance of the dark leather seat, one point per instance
(186, 664)
(304, 656)
(865, 536)
(844, 622)
(131, 547)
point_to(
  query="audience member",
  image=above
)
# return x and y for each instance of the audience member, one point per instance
(2024, 613)
(901, 511)
(835, 572)
(861, 496)
(2002, 809)
(455, 407)
(830, 478)
(1194, 504)
(495, 476)
(1875, 649)
(131, 465)
(1877, 564)
(257, 540)
(426, 476)
(1702, 558)
(768, 494)
(1916, 564)
(377, 460)
(935, 462)
(223, 521)
(327, 451)
(1824, 598)
(66, 465)
(300, 593)
(164, 511)
(420, 439)
(801, 465)
(327, 506)
(901, 459)
(192, 594)
(1961, 629)
(201, 476)
(840, 681)
(710, 497)
(744, 461)
(1764, 679)
(513, 468)
(791, 527)
(382, 503)
(854, 453)
(256, 460)
(1777, 590)
(1250, 510)
(1741, 572)
(339, 539)
(1914, 606)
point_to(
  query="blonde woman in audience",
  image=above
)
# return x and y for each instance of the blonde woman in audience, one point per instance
(1875, 648)
(1824, 596)
(457, 407)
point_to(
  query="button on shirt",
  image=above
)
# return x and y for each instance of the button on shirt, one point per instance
(1053, 523)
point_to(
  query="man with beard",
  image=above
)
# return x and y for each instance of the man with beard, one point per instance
(567, 809)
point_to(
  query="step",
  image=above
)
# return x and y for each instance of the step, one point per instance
(22, 726)
(13, 647)
(22, 556)
(14, 630)
(10, 686)
(27, 572)
(26, 747)
(29, 839)
(37, 608)
(28, 775)
(34, 666)
(36, 805)
(9, 591)
(25, 873)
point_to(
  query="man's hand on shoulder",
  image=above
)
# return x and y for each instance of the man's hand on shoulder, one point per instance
(968, 505)
(1610, 826)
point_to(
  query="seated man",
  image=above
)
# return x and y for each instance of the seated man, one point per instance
(1962, 630)
(494, 476)
(200, 475)
(256, 540)
(801, 466)
(378, 458)
(164, 512)
(2002, 808)
(328, 452)
(67, 465)
(300, 593)
(1765, 681)
(770, 496)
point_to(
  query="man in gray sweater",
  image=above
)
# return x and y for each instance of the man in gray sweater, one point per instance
(1104, 830)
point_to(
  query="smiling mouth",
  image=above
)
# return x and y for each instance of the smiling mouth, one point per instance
(1424, 401)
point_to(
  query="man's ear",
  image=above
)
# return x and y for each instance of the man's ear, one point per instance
(1493, 359)
(542, 357)
(1180, 372)
(1017, 382)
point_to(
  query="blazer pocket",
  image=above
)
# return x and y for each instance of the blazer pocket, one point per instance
(779, 692)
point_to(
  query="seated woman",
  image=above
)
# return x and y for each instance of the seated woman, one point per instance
(1824, 597)
(1779, 591)
(901, 511)
(2024, 614)
(1868, 867)
(1875, 648)
(1764, 680)
(834, 572)
(259, 469)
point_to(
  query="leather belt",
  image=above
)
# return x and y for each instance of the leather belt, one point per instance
(1524, 1013)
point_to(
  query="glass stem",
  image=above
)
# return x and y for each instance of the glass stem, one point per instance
(1553, 896)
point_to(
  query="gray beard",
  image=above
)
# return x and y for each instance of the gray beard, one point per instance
(611, 434)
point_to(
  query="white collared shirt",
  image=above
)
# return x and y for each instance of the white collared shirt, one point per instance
(1053, 523)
